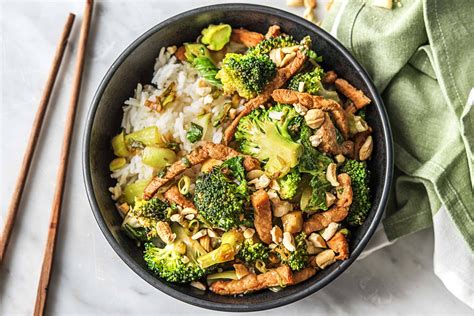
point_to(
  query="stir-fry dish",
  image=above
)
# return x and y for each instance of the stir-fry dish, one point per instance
(242, 166)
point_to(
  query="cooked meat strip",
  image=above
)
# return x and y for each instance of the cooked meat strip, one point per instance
(330, 77)
(281, 77)
(174, 196)
(303, 275)
(246, 37)
(197, 156)
(329, 144)
(253, 282)
(338, 243)
(262, 215)
(223, 152)
(357, 96)
(315, 102)
(344, 191)
(273, 31)
(321, 220)
(179, 54)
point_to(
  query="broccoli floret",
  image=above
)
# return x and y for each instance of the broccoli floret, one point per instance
(297, 259)
(311, 81)
(361, 204)
(246, 74)
(312, 161)
(312, 84)
(176, 262)
(252, 251)
(140, 221)
(221, 193)
(231, 243)
(289, 184)
(265, 46)
(264, 135)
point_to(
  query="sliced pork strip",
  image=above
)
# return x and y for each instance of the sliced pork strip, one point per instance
(262, 215)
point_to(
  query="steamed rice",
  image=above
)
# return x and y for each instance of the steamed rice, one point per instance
(193, 98)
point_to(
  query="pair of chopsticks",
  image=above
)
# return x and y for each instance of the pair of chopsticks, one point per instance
(63, 163)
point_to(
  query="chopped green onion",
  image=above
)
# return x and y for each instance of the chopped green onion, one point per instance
(183, 185)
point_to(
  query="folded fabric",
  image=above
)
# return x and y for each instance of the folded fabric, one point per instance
(420, 55)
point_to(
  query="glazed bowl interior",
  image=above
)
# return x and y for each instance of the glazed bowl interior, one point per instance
(135, 65)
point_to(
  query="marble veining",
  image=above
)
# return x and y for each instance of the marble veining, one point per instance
(88, 277)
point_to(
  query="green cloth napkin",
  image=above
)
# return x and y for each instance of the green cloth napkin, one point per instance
(420, 55)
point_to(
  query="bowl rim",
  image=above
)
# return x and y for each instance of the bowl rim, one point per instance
(156, 282)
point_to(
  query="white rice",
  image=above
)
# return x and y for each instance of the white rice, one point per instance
(193, 98)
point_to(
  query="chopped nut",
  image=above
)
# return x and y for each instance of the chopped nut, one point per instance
(292, 222)
(211, 233)
(330, 199)
(240, 270)
(188, 210)
(199, 234)
(360, 124)
(317, 240)
(178, 218)
(314, 118)
(301, 86)
(248, 233)
(261, 183)
(331, 174)
(165, 233)
(185, 259)
(386, 4)
(254, 174)
(289, 241)
(312, 250)
(190, 217)
(205, 242)
(315, 140)
(290, 49)
(198, 285)
(277, 234)
(277, 55)
(310, 3)
(287, 59)
(209, 164)
(325, 258)
(340, 158)
(300, 109)
(280, 208)
(295, 3)
(171, 49)
(329, 231)
(366, 150)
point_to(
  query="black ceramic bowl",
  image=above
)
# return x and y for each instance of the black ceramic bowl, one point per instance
(135, 65)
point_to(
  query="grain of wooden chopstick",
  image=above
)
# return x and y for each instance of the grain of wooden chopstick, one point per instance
(33, 138)
(45, 276)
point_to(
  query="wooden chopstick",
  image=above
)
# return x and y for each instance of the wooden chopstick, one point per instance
(41, 295)
(33, 139)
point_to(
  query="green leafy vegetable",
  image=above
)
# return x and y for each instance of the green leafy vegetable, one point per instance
(206, 69)
(194, 133)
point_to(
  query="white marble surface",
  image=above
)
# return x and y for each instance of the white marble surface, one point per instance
(88, 277)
